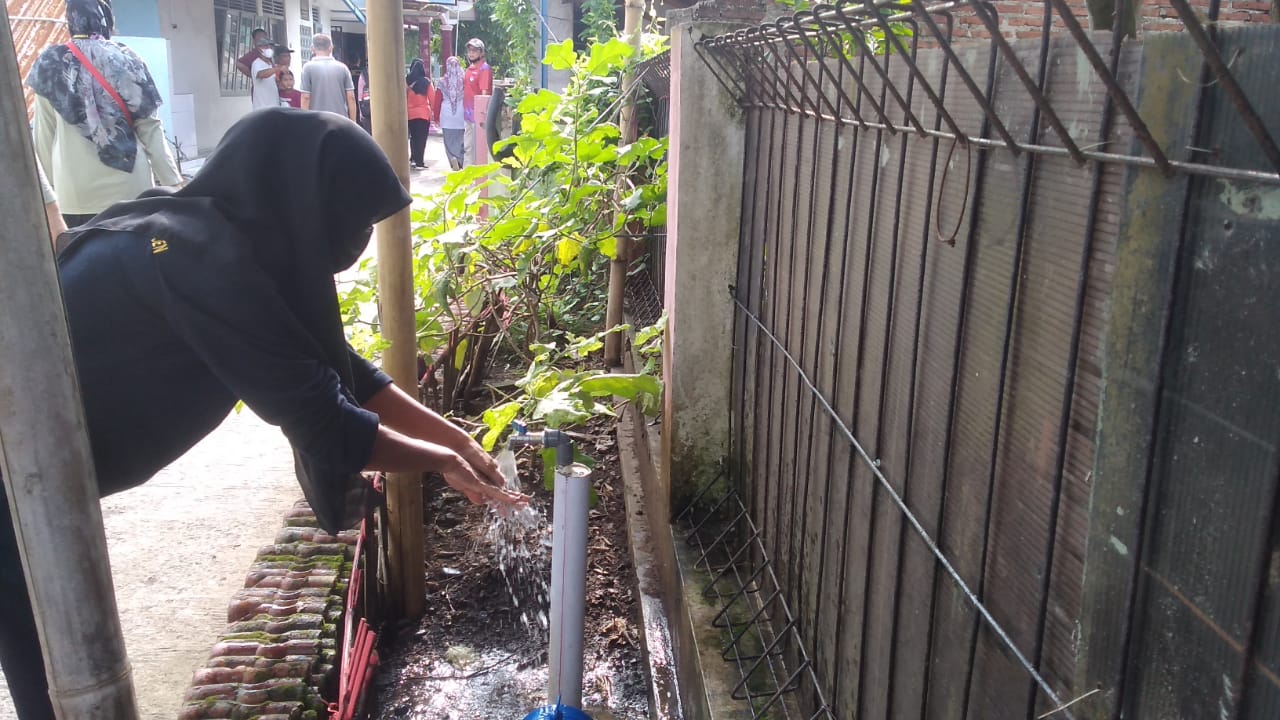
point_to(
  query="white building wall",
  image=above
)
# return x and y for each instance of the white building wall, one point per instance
(188, 26)
(560, 28)
(293, 24)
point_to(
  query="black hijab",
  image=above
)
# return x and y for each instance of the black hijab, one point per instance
(295, 193)
(417, 77)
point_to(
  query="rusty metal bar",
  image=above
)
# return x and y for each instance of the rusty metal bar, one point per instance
(1228, 82)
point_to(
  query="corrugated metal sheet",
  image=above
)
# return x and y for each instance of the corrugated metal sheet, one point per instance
(35, 24)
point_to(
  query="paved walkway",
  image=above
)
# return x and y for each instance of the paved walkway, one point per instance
(181, 543)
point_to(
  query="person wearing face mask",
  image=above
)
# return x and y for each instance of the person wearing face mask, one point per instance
(179, 304)
(96, 129)
(261, 51)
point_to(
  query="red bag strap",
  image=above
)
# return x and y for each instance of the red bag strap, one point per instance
(84, 61)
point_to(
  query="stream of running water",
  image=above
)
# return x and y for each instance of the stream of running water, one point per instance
(521, 543)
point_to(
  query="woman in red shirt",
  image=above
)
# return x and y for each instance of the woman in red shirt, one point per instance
(418, 97)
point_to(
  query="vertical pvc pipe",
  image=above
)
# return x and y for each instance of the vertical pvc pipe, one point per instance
(568, 580)
(44, 447)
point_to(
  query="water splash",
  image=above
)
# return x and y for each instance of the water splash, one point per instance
(521, 542)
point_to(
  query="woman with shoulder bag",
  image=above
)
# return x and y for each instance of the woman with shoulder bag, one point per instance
(95, 108)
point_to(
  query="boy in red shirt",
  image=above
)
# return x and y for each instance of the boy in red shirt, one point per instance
(478, 80)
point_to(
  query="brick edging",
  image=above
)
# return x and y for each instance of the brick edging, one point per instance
(278, 657)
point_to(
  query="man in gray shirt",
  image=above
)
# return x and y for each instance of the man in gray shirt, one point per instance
(326, 83)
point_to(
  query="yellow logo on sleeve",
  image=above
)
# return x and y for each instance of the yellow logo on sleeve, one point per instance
(158, 246)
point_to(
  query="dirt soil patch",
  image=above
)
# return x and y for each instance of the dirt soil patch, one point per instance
(473, 656)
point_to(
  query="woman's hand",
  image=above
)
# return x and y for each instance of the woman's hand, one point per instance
(484, 464)
(463, 476)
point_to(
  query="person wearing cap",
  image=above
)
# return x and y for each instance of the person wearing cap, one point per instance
(478, 80)
(261, 45)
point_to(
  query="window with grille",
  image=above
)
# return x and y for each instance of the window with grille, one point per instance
(233, 25)
(305, 31)
(304, 9)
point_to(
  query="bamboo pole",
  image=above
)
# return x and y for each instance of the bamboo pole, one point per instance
(47, 463)
(395, 292)
(632, 17)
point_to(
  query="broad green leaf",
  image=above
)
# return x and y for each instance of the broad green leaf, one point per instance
(609, 247)
(497, 419)
(560, 56)
(608, 57)
(567, 250)
(626, 386)
(549, 468)
(460, 354)
(457, 236)
(561, 409)
(540, 101)
(506, 229)
(656, 330)
(583, 458)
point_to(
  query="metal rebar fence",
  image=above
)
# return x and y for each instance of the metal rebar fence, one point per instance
(945, 244)
(645, 278)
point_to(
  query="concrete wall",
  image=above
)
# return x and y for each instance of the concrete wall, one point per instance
(559, 14)
(188, 25)
(707, 137)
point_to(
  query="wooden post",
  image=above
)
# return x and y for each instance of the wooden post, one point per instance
(47, 463)
(395, 292)
(634, 13)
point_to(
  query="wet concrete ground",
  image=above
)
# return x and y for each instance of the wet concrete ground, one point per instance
(181, 543)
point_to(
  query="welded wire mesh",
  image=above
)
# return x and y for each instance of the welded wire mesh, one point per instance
(930, 231)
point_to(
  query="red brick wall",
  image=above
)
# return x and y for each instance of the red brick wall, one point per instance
(1025, 18)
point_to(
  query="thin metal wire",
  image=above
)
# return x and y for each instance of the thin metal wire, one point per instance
(992, 624)
(854, 19)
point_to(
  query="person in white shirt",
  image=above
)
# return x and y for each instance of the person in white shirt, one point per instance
(266, 93)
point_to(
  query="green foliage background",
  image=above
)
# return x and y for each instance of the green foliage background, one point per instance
(534, 249)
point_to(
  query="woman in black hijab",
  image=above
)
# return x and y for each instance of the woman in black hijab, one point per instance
(180, 304)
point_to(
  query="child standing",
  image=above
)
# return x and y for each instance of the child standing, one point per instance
(289, 95)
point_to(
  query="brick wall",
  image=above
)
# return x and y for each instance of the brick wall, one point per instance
(1025, 19)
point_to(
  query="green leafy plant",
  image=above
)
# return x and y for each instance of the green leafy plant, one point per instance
(509, 258)
(522, 25)
(599, 20)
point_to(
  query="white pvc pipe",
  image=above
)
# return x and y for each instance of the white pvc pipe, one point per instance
(568, 583)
